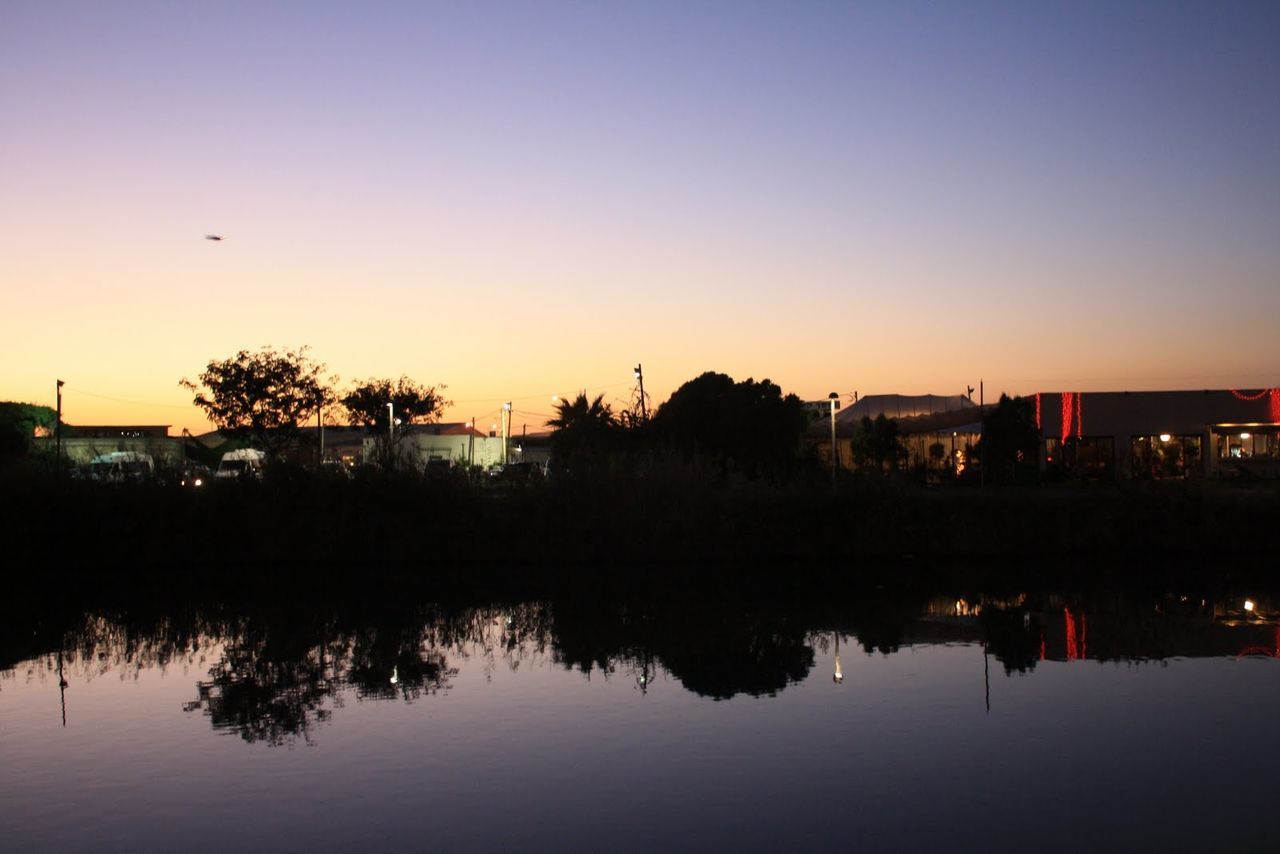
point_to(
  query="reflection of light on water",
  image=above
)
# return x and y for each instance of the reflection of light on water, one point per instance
(1249, 605)
(838, 676)
(395, 674)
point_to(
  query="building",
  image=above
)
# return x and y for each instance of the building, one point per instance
(455, 443)
(1161, 434)
(81, 444)
(937, 431)
(1093, 435)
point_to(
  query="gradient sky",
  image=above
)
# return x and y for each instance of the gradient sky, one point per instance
(520, 199)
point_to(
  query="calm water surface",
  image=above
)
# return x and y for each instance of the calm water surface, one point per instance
(1045, 722)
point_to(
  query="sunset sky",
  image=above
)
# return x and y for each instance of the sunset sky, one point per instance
(525, 199)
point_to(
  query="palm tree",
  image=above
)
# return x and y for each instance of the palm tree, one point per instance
(583, 429)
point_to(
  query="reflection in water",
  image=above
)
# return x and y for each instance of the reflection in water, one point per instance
(274, 676)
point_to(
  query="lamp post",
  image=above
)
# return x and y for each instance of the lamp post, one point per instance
(391, 430)
(506, 429)
(835, 404)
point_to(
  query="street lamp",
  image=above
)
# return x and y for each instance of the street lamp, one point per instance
(506, 429)
(835, 404)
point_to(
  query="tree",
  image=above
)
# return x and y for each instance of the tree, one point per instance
(262, 396)
(1010, 439)
(19, 423)
(366, 403)
(876, 444)
(584, 432)
(411, 403)
(750, 425)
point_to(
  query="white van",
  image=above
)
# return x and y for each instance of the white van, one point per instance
(245, 462)
(122, 467)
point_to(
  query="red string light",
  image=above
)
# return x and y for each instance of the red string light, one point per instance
(1068, 406)
(1038, 427)
(1273, 403)
(1079, 414)
(1072, 653)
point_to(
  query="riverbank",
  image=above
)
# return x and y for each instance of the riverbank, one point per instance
(658, 528)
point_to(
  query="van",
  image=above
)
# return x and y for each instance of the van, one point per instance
(245, 462)
(122, 467)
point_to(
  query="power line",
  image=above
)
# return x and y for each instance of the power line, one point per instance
(544, 396)
(78, 390)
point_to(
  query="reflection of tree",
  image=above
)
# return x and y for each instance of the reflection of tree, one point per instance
(1014, 636)
(279, 678)
(262, 695)
(715, 650)
(385, 665)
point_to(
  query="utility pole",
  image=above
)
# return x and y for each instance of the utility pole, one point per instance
(644, 412)
(471, 442)
(320, 434)
(57, 431)
(982, 435)
(391, 431)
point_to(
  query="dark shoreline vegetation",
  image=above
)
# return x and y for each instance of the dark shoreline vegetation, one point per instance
(285, 659)
(685, 525)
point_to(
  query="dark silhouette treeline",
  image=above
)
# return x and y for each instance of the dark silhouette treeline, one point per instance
(659, 525)
(273, 662)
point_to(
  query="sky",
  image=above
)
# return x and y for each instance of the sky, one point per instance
(521, 199)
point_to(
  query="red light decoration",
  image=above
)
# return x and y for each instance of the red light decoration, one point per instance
(1077, 643)
(1072, 412)
(1038, 427)
(1273, 403)
(1262, 650)
(1070, 625)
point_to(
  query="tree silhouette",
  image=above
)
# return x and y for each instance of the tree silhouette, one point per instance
(366, 403)
(1010, 440)
(750, 425)
(19, 423)
(876, 444)
(584, 433)
(262, 396)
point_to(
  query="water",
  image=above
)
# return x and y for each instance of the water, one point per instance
(998, 723)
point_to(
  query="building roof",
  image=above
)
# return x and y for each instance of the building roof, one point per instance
(115, 431)
(900, 406)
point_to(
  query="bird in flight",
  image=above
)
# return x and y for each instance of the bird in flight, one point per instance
(213, 237)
